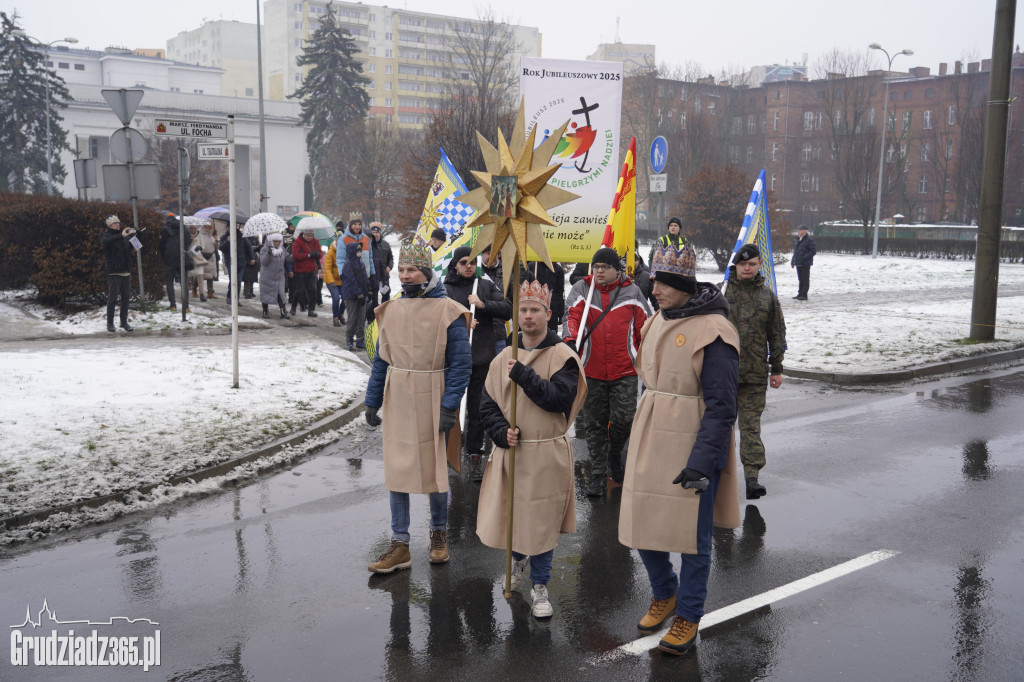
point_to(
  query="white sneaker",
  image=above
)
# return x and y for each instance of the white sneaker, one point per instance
(541, 604)
(519, 568)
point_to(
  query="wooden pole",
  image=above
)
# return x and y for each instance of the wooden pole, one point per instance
(512, 425)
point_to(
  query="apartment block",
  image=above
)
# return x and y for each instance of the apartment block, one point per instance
(227, 45)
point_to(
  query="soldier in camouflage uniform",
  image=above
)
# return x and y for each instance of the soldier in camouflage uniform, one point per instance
(756, 313)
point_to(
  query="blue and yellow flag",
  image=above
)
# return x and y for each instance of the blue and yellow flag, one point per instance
(443, 210)
(755, 230)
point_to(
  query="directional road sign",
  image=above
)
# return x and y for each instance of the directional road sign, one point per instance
(659, 154)
(214, 130)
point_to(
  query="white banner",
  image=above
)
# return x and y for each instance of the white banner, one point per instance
(588, 95)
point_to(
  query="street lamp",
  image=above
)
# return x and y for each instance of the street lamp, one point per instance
(46, 54)
(881, 156)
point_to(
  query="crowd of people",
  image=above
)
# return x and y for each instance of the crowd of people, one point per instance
(660, 374)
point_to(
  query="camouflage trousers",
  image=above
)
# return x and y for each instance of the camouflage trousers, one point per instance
(750, 400)
(609, 410)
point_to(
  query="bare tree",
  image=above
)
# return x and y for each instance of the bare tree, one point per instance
(374, 169)
(208, 181)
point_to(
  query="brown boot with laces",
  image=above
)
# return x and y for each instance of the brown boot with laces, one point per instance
(394, 558)
(438, 546)
(656, 615)
(680, 637)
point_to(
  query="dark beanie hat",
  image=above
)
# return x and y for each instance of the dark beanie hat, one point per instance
(681, 282)
(438, 233)
(746, 252)
(608, 256)
(457, 255)
(675, 220)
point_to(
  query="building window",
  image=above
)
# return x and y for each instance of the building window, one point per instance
(372, 68)
(737, 125)
(373, 35)
(297, 7)
(889, 153)
(197, 91)
(808, 120)
(805, 152)
(682, 94)
(817, 152)
(750, 154)
(389, 54)
(298, 25)
(79, 67)
(696, 105)
(906, 120)
(63, 65)
(903, 150)
(387, 86)
(778, 94)
(373, 85)
(907, 95)
(949, 149)
(388, 101)
(249, 92)
(818, 118)
(805, 182)
(894, 97)
(927, 123)
(815, 184)
(776, 121)
(952, 116)
(922, 185)
(775, 151)
(298, 42)
(921, 214)
(387, 69)
(929, 93)
(682, 120)
(871, 116)
(389, 36)
(926, 151)
(773, 182)
(751, 124)
(949, 184)
(373, 51)
(373, 17)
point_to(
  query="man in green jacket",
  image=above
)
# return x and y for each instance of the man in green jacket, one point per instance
(757, 315)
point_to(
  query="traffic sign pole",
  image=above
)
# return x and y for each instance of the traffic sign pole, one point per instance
(233, 287)
(183, 173)
(135, 222)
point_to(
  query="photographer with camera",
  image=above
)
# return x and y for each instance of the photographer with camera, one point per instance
(117, 252)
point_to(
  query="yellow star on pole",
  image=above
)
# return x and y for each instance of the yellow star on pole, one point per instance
(513, 198)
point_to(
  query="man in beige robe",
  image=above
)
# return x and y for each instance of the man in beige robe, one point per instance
(419, 373)
(550, 388)
(680, 470)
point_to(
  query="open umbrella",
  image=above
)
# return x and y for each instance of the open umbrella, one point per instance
(322, 234)
(263, 223)
(225, 215)
(205, 213)
(191, 220)
(320, 227)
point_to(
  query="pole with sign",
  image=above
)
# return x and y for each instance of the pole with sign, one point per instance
(234, 289)
(659, 180)
(184, 171)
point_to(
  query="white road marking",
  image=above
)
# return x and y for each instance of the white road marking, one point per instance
(644, 644)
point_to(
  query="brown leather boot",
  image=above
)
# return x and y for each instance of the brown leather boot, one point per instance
(396, 557)
(660, 610)
(680, 637)
(438, 546)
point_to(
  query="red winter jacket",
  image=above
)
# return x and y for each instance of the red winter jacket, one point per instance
(611, 350)
(306, 254)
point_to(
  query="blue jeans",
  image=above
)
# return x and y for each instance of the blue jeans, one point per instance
(335, 299)
(691, 587)
(540, 566)
(400, 514)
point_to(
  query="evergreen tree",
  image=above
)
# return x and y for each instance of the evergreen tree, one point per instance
(334, 106)
(23, 79)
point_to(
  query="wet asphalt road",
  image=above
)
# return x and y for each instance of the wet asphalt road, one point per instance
(268, 581)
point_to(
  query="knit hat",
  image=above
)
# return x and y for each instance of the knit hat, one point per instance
(113, 220)
(675, 267)
(675, 220)
(535, 291)
(457, 255)
(607, 256)
(439, 233)
(416, 255)
(746, 252)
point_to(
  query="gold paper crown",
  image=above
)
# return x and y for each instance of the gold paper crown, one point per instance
(535, 291)
(113, 220)
(416, 255)
(682, 261)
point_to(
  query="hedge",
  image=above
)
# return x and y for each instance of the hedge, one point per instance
(949, 249)
(53, 243)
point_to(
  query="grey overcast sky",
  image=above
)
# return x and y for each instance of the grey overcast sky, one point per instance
(723, 35)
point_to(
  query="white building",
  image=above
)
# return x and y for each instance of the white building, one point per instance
(229, 45)
(175, 90)
(404, 53)
(635, 57)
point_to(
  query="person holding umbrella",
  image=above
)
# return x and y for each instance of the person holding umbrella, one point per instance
(552, 387)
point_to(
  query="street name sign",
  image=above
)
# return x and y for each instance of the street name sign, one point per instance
(178, 128)
(214, 151)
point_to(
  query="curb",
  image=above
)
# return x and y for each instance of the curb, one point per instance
(972, 362)
(334, 421)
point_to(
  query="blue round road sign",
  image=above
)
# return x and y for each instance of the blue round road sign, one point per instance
(659, 154)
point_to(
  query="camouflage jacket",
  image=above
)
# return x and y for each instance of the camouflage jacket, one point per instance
(756, 312)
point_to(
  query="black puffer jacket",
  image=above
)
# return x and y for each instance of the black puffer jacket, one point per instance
(170, 247)
(496, 310)
(117, 251)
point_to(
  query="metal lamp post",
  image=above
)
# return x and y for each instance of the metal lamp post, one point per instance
(881, 156)
(49, 147)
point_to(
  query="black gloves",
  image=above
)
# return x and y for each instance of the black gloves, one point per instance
(447, 422)
(691, 478)
(371, 416)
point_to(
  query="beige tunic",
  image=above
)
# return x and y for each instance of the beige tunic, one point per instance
(655, 513)
(413, 336)
(545, 501)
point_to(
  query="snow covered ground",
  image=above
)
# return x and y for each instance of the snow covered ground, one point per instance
(80, 419)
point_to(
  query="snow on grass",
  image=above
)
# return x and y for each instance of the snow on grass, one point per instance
(86, 422)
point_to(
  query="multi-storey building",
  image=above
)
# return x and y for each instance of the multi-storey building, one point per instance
(634, 57)
(227, 45)
(405, 54)
(819, 141)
